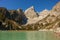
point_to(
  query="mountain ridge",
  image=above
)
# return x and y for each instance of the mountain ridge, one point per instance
(29, 19)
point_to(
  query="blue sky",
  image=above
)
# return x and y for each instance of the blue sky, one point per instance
(39, 5)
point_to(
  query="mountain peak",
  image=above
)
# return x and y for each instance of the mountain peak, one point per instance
(30, 13)
(45, 11)
(30, 8)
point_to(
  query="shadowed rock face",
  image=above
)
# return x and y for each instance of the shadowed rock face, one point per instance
(18, 16)
(13, 14)
(5, 12)
(23, 16)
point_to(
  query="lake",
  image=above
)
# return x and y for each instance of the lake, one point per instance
(28, 35)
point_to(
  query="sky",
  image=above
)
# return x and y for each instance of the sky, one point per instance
(39, 5)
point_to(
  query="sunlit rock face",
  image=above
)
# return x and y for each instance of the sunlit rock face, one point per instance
(47, 18)
(30, 13)
(57, 7)
(51, 19)
(41, 16)
(44, 13)
(56, 10)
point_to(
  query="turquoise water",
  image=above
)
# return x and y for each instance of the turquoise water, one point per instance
(27, 35)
